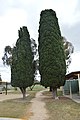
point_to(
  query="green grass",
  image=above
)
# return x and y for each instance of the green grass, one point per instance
(37, 88)
(18, 108)
(62, 109)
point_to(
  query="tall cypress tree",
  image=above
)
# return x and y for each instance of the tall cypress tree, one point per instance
(52, 64)
(22, 67)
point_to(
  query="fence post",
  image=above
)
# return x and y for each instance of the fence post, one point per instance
(6, 88)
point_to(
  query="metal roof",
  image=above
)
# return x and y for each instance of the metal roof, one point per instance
(72, 75)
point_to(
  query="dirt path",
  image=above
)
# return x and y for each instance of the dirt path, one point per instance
(38, 108)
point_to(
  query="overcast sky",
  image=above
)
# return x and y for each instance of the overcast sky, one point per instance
(17, 13)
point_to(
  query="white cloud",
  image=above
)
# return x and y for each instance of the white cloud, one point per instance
(6, 75)
(9, 25)
(75, 64)
(5, 72)
(65, 9)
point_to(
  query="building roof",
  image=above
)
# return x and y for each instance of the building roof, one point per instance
(72, 75)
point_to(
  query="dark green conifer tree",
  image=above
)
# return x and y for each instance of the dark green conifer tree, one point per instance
(52, 64)
(22, 67)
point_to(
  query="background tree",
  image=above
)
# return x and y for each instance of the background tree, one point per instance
(35, 61)
(22, 67)
(7, 58)
(34, 53)
(68, 49)
(34, 47)
(52, 64)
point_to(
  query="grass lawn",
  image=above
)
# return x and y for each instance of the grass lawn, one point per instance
(62, 109)
(18, 108)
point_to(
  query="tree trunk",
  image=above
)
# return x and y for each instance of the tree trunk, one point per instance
(50, 89)
(54, 93)
(31, 87)
(23, 90)
(24, 93)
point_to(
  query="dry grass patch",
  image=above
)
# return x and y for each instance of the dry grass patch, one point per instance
(18, 108)
(62, 109)
(15, 108)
